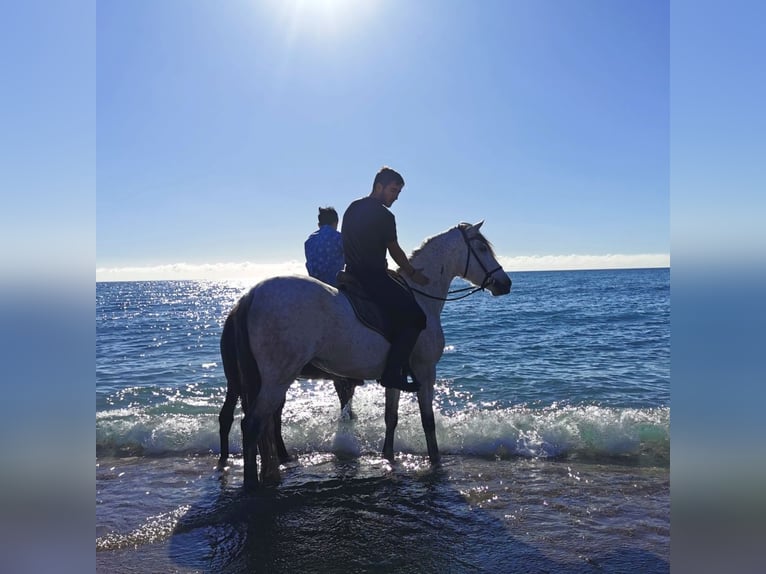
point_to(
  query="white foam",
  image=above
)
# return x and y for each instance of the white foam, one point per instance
(313, 422)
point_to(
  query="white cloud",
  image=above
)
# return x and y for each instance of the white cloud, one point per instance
(571, 262)
(254, 272)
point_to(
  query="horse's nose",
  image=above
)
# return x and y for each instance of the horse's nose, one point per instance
(500, 287)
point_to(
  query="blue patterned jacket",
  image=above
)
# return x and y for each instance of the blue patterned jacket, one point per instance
(324, 254)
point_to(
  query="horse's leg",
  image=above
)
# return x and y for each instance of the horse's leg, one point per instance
(426, 404)
(225, 420)
(281, 448)
(260, 436)
(250, 428)
(392, 419)
(345, 389)
(228, 347)
(269, 449)
(263, 433)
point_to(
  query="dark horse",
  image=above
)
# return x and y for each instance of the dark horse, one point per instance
(286, 325)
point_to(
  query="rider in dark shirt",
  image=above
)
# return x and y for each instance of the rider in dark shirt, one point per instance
(369, 232)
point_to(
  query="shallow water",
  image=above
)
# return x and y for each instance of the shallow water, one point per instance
(339, 514)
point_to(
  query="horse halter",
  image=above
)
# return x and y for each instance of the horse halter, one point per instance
(471, 290)
(487, 274)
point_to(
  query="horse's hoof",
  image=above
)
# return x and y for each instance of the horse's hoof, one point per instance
(347, 414)
(271, 479)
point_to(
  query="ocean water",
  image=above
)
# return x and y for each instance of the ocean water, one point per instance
(552, 413)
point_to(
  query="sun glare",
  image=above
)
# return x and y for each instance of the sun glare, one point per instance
(325, 18)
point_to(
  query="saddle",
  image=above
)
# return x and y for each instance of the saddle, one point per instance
(367, 311)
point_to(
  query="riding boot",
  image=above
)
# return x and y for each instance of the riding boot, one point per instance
(397, 363)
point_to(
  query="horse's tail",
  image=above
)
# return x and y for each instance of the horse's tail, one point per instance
(238, 364)
(229, 356)
(250, 375)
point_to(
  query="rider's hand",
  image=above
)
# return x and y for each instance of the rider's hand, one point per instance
(419, 278)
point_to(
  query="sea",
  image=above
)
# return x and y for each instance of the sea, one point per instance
(552, 413)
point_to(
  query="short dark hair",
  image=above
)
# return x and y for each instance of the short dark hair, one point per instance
(327, 216)
(387, 175)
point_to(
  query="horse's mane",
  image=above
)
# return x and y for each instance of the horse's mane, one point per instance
(463, 226)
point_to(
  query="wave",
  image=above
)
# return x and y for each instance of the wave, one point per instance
(314, 424)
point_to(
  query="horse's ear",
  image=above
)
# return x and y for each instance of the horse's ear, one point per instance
(477, 226)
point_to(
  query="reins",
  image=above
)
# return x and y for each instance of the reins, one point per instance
(486, 281)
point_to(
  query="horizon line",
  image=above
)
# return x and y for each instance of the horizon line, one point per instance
(247, 270)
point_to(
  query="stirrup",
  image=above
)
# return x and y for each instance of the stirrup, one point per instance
(402, 384)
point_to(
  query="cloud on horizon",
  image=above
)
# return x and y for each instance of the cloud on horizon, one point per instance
(256, 271)
(574, 262)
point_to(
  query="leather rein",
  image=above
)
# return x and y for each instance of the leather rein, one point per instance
(471, 290)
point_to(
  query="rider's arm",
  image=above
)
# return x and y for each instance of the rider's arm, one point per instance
(400, 258)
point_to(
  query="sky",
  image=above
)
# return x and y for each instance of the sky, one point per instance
(222, 127)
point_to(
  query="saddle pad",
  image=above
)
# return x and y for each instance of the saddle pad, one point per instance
(366, 310)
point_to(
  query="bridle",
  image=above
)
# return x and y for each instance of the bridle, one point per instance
(471, 290)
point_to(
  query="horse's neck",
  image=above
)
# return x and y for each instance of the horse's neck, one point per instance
(439, 263)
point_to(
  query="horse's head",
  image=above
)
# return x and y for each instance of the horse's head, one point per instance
(481, 266)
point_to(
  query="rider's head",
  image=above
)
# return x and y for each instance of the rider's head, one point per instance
(328, 216)
(387, 175)
(387, 185)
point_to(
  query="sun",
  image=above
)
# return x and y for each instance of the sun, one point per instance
(326, 18)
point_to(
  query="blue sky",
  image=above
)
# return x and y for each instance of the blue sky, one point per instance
(221, 127)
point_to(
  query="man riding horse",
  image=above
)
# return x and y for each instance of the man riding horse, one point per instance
(369, 232)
